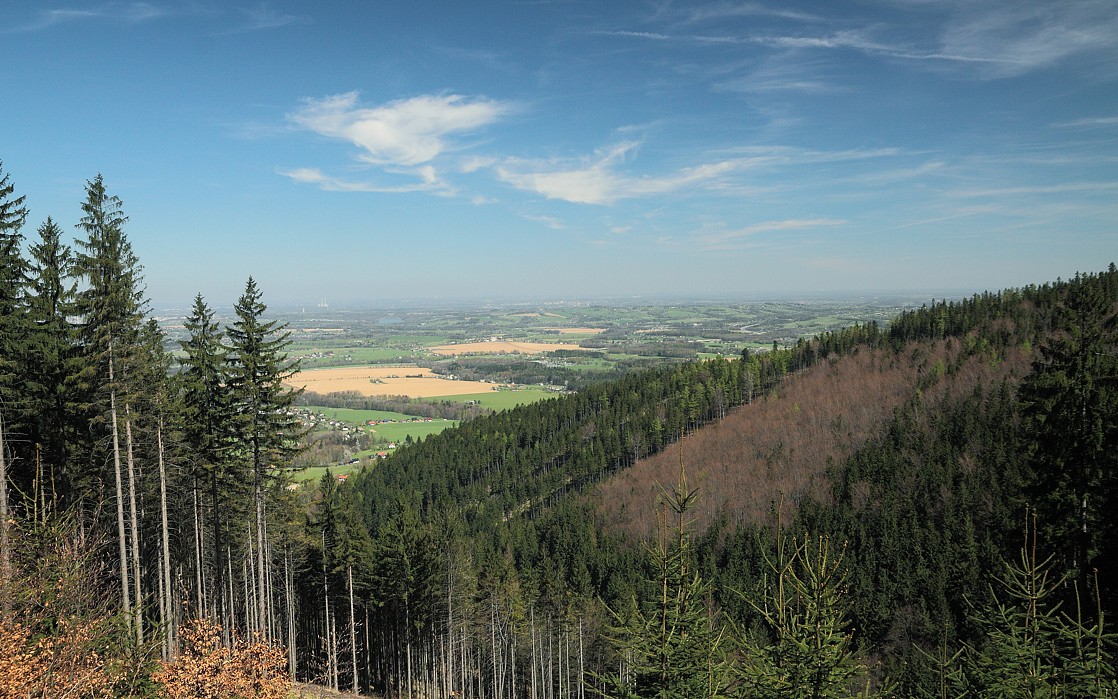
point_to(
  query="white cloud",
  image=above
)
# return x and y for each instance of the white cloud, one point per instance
(1040, 190)
(1088, 123)
(263, 17)
(719, 12)
(1017, 37)
(730, 239)
(549, 221)
(128, 12)
(595, 180)
(406, 132)
(308, 175)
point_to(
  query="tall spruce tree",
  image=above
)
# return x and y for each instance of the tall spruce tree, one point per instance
(50, 305)
(1070, 400)
(13, 282)
(111, 307)
(206, 427)
(13, 335)
(266, 430)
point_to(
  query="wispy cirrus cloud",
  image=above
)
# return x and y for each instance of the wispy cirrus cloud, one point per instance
(1088, 123)
(264, 17)
(984, 40)
(1040, 190)
(596, 179)
(308, 175)
(131, 12)
(716, 12)
(738, 237)
(1014, 37)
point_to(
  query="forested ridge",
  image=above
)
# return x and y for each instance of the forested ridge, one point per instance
(923, 447)
(918, 509)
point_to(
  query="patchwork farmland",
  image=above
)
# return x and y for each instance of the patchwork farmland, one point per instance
(413, 381)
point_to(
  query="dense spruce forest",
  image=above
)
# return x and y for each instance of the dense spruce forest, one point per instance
(920, 509)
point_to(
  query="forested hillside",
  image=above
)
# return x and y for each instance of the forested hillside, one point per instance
(845, 514)
(925, 449)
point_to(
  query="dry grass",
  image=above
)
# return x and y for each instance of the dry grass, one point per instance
(413, 381)
(314, 691)
(501, 347)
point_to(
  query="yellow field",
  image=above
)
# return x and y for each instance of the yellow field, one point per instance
(501, 348)
(390, 381)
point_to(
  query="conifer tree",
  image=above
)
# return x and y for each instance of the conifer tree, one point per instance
(13, 283)
(1029, 646)
(13, 331)
(52, 340)
(804, 648)
(157, 408)
(406, 584)
(266, 430)
(111, 306)
(207, 428)
(674, 646)
(1070, 401)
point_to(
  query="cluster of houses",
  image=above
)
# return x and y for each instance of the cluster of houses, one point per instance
(318, 421)
(372, 423)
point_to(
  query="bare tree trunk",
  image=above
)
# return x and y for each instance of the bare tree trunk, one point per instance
(5, 533)
(199, 582)
(246, 575)
(331, 657)
(289, 592)
(532, 638)
(334, 652)
(448, 655)
(268, 622)
(581, 663)
(258, 483)
(36, 488)
(230, 619)
(169, 629)
(164, 646)
(135, 526)
(352, 628)
(125, 596)
(407, 643)
(223, 564)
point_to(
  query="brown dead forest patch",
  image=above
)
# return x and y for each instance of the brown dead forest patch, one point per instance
(417, 382)
(501, 347)
(781, 447)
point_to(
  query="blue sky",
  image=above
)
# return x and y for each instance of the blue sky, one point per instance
(358, 151)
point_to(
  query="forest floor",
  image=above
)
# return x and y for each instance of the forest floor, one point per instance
(313, 691)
